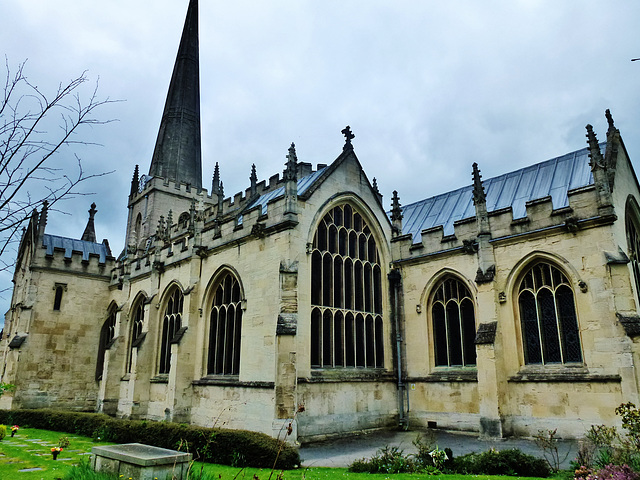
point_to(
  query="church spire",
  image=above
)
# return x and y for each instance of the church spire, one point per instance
(177, 155)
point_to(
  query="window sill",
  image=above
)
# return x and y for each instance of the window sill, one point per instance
(230, 381)
(576, 373)
(161, 378)
(335, 375)
(448, 375)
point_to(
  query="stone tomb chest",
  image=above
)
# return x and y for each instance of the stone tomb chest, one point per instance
(140, 462)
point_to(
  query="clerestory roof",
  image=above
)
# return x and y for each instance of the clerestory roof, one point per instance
(553, 178)
(70, 245)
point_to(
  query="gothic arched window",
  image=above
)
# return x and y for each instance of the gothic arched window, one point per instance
(137, 320)
(346, 293)
(171, 323)
(548, 316)
(225, 327)
(633, 242)
(454, 324)
(107, 334)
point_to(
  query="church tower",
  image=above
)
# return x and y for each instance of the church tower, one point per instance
(175, 175)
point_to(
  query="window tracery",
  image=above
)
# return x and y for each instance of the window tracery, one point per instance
(548, 316)
(633, 242)
(454, 325)
(225, 327)
(107, 335)
(346, 293)
(171, 323)
(137, 321)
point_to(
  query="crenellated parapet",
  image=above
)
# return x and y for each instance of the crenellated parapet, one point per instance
(510, 208)
(212, 223)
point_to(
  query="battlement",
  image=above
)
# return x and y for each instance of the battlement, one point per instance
(75, 255)
(169, 186)
(540, 217)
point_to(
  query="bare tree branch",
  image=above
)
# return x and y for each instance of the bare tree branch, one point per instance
(38, 132)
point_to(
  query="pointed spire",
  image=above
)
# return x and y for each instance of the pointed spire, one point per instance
(594, 149)
(253, 178)
(215, 183)
(135, 181)
(478, 188)
(170, 220)
(612, 127)
(220, 199)
(376, 189)
(611, 150)
(396, 214)
(177, 155)
(291, 169)
(348, 135)
(600, 174)
(89, 234)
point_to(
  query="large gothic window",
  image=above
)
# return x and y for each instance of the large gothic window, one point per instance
(107, 334)
(346, 293)
(171, 323)
(548, 317)
(454, 325)
(225, 327)
(137, 320)
(633, 240)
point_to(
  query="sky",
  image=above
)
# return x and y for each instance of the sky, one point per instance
(427, 87)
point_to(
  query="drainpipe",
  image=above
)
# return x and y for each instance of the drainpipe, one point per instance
(394, 282)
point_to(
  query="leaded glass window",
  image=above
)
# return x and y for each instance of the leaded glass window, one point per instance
(548, 317)
(454, 325)
(225, 327)
(107, 334)
(137, 320)
(633, 240)
(346, 293)
(171, 323)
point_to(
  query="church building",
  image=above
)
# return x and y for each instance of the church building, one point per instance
(504, 307)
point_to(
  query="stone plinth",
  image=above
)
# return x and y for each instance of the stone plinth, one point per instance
(140, 462)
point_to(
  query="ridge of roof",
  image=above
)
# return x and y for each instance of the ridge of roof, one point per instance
(70, 245)
(551, 178)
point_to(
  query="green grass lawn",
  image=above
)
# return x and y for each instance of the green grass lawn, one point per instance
(31, 449)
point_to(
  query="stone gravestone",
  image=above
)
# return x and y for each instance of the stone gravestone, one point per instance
(140, 462)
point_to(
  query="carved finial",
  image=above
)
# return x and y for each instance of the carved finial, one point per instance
(254, 176)
(612, 127)
(161, 232)
(375, 186)
(42, 222)
(169, 220)
(478, 188)
(89, 234)
(396, 211)
(594, 149)
(192, 215)
(291, 169)
(135, 181)
(215, 184)
(348, 135)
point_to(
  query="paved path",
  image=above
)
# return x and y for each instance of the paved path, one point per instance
(342, 452)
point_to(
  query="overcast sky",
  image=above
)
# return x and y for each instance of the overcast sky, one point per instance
(427, 87)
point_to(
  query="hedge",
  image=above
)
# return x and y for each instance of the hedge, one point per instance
(213, 445)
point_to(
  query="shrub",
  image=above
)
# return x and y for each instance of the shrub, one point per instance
(614, 472)
(502, 462)
(386, 460)
(3, 432)
(207, 444)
